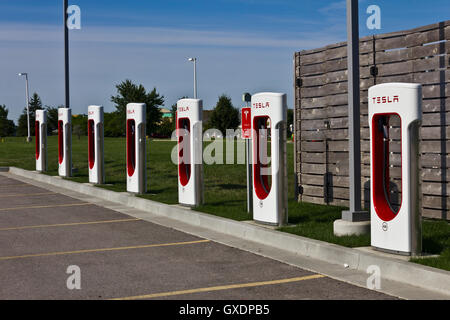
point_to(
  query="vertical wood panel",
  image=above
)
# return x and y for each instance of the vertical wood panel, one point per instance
(419, 55)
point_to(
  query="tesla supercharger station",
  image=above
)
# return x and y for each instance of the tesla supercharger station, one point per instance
(136, 148)
(65, 142)
(269, 117)
(96, 145)
(41, 140)
(190, 152)
(395, 229)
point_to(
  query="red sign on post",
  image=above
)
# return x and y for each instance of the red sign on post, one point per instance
(246, 123)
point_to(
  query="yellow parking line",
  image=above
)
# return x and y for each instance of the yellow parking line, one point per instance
(23, 195)
(221, 288)
(49, 206)
(68, 224)
(15, 185)
(102, 250)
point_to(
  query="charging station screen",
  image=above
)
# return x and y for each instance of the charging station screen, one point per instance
(385, 188)
(61, 141)
(38, 149)
(184, 154)
(262, 178)
(91, 143)
(131, 147)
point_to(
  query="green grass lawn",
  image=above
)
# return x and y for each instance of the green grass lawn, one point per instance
(225, 190)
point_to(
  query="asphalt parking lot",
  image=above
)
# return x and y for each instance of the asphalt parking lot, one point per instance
(43, 233)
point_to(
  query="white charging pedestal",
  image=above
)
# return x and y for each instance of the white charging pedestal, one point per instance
(65, 142)
(190, 152)
(41, 140)
(96, 159)
(136, 148)
(269, 118)
(395, 228)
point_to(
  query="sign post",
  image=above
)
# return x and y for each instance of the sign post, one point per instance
(247, 135)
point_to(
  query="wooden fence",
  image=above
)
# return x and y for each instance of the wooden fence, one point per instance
(419, 55)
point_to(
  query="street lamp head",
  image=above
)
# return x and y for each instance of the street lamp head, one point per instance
(247, 97)
(22, 74)
(192, 59)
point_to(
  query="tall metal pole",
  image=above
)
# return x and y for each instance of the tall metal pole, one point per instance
(194, 60)
(27, 94)
(66, 54)
(355, 213)
(195, 78)
(28, 107)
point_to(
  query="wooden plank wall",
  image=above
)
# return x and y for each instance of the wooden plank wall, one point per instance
(420, 55)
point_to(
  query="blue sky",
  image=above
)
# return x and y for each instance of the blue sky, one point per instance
(241, 45)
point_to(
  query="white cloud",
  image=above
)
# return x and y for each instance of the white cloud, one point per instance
(163, 37)
(333, 7)
(229, 62)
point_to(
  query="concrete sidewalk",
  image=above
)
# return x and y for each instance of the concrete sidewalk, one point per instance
(399, 278)
(45, 234)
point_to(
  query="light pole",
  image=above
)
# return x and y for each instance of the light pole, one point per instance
(355, 221)
(28, 103)
(66, 53)
(194, 60)
(355, 213)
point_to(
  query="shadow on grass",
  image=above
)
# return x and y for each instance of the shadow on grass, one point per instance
(436, 236)
(307, 212)
(231, 186)
(222, 204)
(316, 222)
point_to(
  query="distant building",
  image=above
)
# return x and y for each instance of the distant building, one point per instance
(166, 113)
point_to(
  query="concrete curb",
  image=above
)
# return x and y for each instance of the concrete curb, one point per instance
(393, 269)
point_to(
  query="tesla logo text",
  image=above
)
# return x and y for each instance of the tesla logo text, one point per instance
(131, 112)
(183, 109)
(91, 113)
(261, 105)
(388, 99)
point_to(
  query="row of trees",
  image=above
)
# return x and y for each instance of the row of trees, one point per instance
(7, 127)
(224, 116)
(114, 121)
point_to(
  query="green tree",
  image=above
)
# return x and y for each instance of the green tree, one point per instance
(52, 119)
(7, 127)
(113, 124)
(22, 128)
(224, 116)
(79, 125)
(128, 92)
(174, 109)
(165, 128)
